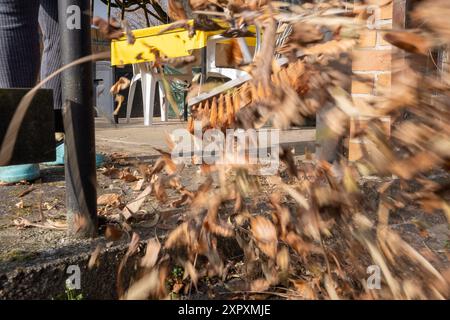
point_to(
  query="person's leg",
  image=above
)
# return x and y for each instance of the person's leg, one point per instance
(19, 62)
(51, 56)
(19, 43)
(51, 61)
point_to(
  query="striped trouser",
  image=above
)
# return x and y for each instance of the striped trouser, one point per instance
(20, 50)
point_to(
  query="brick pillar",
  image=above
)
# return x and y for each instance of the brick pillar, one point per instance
(371, 62)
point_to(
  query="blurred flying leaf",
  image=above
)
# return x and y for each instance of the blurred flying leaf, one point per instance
(111, 30)
(409, 41)
(265, 234)
(176, 10)
(151, 253)
(121, 84)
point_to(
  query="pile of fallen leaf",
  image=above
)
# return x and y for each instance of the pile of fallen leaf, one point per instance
(313, 239)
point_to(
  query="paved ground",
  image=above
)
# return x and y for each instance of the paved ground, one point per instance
(133, 138)
(138, 140)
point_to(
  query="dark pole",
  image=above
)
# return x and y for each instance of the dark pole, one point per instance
(77, 91)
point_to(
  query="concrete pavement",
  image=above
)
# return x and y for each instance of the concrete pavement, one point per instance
(135, 139)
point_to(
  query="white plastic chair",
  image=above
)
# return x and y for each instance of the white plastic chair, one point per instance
(236, 77)
(230, 73)
(149, 79)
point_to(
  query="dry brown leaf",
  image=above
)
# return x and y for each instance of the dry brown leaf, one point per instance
(234, 54)
(283, 259)
(167, 162)
(178, 203)
(121, 84)
(178, 237)
(111, 30)
(113, 232)
(128, 177)
(265, 234)
(160, 191)
(409, 41)
(304, 289)
(109, 199)
(176, 10)
(112, 173)
(199, 4)
(151, 253)
(133, 207)
(190, 271)
(144, 288)
(94, 258)
(259, 285)
(119, 99)
(132, 248)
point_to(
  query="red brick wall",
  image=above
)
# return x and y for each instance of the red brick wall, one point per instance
(372, 63)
